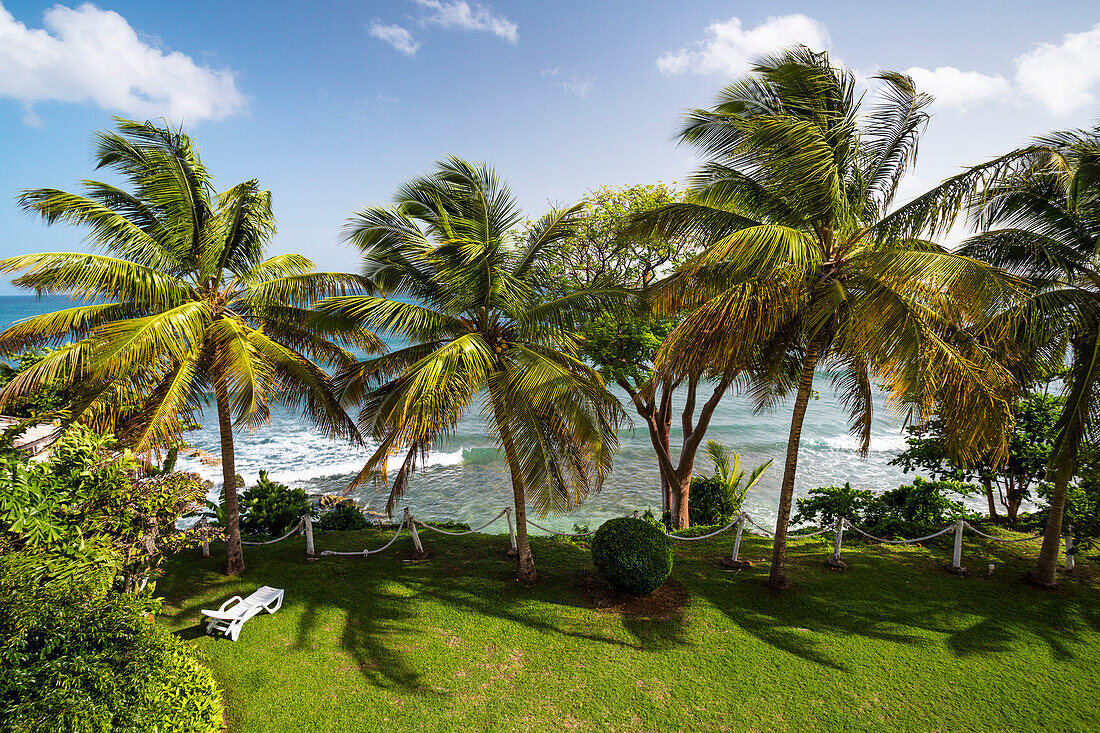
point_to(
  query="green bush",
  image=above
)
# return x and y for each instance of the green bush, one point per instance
(74, 657)
(709, 501)
(270, 508)
(913, 509)
(826, 503)
(632, 555)
(344, 517)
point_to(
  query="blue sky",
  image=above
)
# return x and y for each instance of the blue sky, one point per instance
(333, 105)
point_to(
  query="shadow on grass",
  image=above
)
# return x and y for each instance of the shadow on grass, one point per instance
(901, 599)
(379, 596)
(886, 597)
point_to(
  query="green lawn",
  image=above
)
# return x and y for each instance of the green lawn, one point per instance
(454, 643)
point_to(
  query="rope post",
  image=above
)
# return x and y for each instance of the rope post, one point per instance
(513, 548)
(733, 562)
(415, 537)
(956, 557)
(834, 562)
(205, 541)
(1071, 559)
(310, 549)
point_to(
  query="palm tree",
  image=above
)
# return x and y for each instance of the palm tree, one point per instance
(727, 469)
(1038, 213)
(182, 303)
(804, 271)
(460, 288)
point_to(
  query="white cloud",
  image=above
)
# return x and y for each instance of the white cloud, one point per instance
(1063, 77)
(396, 36)
(729, 49)
(87, 54)
(960, 89)
(464, 16)
(570, 81)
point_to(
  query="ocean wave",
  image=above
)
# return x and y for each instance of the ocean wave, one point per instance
(320, 469)
(879, 443)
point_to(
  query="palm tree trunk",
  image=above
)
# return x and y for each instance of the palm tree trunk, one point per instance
(777, 579)
(234, 554)
(525, 559)
(1047, 568)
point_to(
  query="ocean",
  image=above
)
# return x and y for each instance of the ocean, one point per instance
(466, 481)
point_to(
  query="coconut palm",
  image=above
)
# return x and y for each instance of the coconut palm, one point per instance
(1038, 213)
(803, 272)
(181, 303)
(460, 289)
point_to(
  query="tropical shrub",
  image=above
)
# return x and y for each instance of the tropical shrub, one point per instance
(826, 503)
(632, 555)
(915, 508)
(342, 518)
(709, 503)
(271, 508)
(87, 499)
(76, 657)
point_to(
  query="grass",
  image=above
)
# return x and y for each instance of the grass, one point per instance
(454, 643)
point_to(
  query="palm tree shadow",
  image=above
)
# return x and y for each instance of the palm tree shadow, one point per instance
(378, 597)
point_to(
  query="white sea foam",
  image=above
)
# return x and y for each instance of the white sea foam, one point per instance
(879, 443)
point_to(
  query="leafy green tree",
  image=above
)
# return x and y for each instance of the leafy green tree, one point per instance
(183, 303)
(461, 287)
(622, 341)
(716, 498)
(1033, 433)
(805, 269)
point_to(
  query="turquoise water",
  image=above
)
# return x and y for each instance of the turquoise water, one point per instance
(465, 479)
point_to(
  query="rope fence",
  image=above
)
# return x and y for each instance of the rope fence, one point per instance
(409, 521)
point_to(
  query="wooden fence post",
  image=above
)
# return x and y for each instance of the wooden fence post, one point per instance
(310, 550)
(733, 562)
(956, 566)
(513, 550)
(412, 530)
(835, 562)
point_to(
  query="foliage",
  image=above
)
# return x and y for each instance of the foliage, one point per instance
(87, 500)
(826, 504)
(343, 517)
(270, 508)
(632, 555)
(903, 512)
(48, 400)
(1029, 452)
(75, 658)
(459, 285)
(600, 249)
(914, 509)
(715, 499)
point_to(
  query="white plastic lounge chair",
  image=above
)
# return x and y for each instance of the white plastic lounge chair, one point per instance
(234, 612)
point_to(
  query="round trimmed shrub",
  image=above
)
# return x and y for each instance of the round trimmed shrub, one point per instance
(632, 554)
(342, 518)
